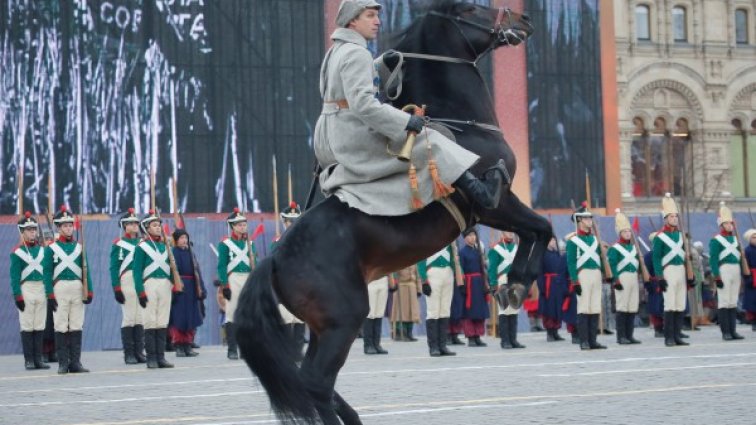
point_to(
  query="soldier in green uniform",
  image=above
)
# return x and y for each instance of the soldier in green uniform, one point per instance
(122, 279)
(669, 265)
(236, 257)
(29, 291)
(500, 259)
(64, 266)
(437, 274)
(724, 259)
(624, 261)
(152, 280)
(585, 268)
(295, 326)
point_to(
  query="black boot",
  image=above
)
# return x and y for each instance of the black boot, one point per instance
(127, 339)
(61, 347)
(179, 348)
(724, 323)
(485, 192)
(513, 331)
(431, 328)
(593, 332)
(161, 335)
(669, 328)
(679, 317)
(367, 337)
(139, 344)
(734, 324)
(583, 324)
(621, 319)
(506, 342)
(630, 328)
(442, 328)
(149, 345)
(454, 339)
(377, 331)
(27, 343)
(74, 344)
(37, 338)
(408, 332)
(479, 342)
(575, 339)
(550, 335)
(188, 350)
(659, 331)
(233, 350)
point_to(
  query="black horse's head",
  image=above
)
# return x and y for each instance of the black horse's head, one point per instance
(481, 28)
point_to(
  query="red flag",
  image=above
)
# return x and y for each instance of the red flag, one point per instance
(258, 231)
(179, 222)
(636, 225)
(166, 229)
(77, 223)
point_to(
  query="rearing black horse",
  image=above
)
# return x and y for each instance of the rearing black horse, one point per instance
(322, 264)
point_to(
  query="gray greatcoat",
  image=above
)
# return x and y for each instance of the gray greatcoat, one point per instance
(350, 143)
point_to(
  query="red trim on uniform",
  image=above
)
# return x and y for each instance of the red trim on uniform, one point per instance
(156, 238)
(549, 277)
(117, 288)
(19, 297)
(142, 294)
(115, 241)
(669, 229)
(624, 241)
(62, 238)
(51, 296)
(582, 233)
(725, 233)
(468, 283)
(753, 277)
(566, 304)
(187, 277)
(237, 238)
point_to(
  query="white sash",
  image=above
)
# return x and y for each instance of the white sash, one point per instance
(159, 260)
(129, 257)
(589, 252)
(628, 257)
(727, 248)
(444, 253)
(508, 257)
(236, 255)
(675, 248)
(33, 264)
(66, 261)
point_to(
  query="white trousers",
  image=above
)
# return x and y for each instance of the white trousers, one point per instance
(35, 312)
(158, 310)
(377, 297)
(69, 316)
(133, 313)
(590, 284)
(628, 298)
(727, 297)
(441, 281)
(677, 288)
(236, 282)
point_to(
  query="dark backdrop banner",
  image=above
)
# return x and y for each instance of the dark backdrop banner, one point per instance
(95, 95)
(564, 103)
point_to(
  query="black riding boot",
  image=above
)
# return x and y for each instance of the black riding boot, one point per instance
(679, 316)
(593, 333)
(630, 328)
(161, 335)
(669, 328)
(299, 336)
(74, 344)
(139, 344)
(734, 324)
(367, 337)
(149, 345)
(486, 191)
(513, 319)
(127, 339)
(37, 341)
(61, 347)
(233, 350)
(442, 331)
(505, 342)
(621, 319)
(724, 323)
(431, 328)
(27, 343)
(583, 324)
(377, 331)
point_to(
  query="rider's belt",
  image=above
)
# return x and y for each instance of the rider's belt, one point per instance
(331, 106)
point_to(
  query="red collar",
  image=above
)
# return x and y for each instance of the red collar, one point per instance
(723, 232)
(154, 238)
(30, 244)
(238, 238)
(582, 233)
(669, 229)
(624, 241)
(128, 236)
(62, 238)
(507, 241)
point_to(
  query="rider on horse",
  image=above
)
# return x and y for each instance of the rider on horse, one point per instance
(355, 129)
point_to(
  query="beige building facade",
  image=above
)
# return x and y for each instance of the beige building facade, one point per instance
(686, 83)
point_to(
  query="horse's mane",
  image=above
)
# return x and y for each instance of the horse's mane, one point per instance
(399, 39)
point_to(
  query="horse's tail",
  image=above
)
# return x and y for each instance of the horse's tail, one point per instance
(268, 349)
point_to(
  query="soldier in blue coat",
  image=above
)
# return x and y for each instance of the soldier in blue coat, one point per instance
(749, 299)
(552, 289)
(655, 299)
(476, 290)
(186, 311)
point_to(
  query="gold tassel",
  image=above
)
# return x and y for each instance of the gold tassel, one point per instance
(440, 189)
(416, 201)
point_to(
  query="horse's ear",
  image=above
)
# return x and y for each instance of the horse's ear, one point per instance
(391, 58)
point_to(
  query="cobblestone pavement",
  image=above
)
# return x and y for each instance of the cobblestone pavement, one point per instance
(548, 383)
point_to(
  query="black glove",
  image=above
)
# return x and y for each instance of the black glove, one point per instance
(618, 286)
(119, 297)
(578, 289)
(143, 301)
(202, 295)
(393, 289)
(720, 284)
(227, 293)
(52, 304)
(427, 289)
(463, 290)
(691, 283)
(20, 305)
(415, 124)
(492, 290)
(419, 294)
(648, 286)
(89, 299)
(663, 285)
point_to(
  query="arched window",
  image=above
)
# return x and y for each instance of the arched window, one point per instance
(679, 24)
(643, 22)
(658, 158)
(741, 26)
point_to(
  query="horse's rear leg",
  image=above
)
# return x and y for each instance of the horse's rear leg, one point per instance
(347, 414)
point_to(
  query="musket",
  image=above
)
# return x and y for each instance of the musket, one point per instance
(171, 260)
(602, 249)
(195, 263)
(460, 280)
(84, 268)
(391, 279)
(644, 271)
(689, 275)
(743, 261)
(49, 224)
